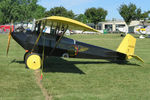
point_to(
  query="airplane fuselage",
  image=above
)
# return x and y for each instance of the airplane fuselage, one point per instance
(66, 47)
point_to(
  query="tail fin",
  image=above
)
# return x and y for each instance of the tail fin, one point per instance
(127, 47)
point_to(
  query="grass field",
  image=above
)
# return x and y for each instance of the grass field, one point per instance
(16, 82)
(77, 79)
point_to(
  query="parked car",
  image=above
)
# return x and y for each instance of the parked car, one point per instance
(6, 28)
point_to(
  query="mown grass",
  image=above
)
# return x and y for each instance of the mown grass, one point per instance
(16, 82)
(87, 79)
(77, 79)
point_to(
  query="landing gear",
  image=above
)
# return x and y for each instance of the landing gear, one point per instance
(141, 37)
(26, 55)
(122, 35)
(33, 61)
(65, 55)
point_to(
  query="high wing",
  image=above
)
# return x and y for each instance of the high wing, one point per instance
(72, 24)
(61, 24)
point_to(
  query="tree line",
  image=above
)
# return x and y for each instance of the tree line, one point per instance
(20, 10)
(26, 10)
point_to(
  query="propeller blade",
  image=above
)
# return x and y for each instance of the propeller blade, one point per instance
(9, 37)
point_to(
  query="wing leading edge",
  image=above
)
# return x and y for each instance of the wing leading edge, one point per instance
(72, 24)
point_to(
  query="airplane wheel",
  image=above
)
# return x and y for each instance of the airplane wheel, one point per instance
(65, 55)
(122, 35)
(26, 55)
(33, 61)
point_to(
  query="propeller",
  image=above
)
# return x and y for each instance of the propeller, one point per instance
(9, 37)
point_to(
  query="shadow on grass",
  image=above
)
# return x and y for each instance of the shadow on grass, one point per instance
(57, 64)
(15, 61)
(54, 64)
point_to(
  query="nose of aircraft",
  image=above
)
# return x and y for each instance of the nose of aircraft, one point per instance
(19, 37)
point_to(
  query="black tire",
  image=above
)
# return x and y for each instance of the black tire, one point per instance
(122, 35)
(26, 54)
(65, 55)
(33, 61)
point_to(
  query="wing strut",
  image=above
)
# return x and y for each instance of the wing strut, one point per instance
(58, 41)
(37, 40)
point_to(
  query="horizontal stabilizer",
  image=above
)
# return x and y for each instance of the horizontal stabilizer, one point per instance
(137, 58)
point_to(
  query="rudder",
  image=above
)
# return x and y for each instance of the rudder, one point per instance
(127, 47)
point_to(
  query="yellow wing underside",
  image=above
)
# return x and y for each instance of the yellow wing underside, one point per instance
(72, 24)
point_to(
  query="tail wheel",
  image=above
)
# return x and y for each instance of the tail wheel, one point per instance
(65, 55)
(33, 61)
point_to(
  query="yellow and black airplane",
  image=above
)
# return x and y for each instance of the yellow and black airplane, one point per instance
(38, 44)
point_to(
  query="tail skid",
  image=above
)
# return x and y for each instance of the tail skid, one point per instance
(127, 47)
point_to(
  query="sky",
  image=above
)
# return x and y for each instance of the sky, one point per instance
(79, 6)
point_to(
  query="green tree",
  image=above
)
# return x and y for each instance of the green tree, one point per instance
(19, 10)
(145, 15)
(82, 18)
(60, 11)
(96, 15)
(39, 12)
(29, 9)
(5, 6)
(131, 12)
